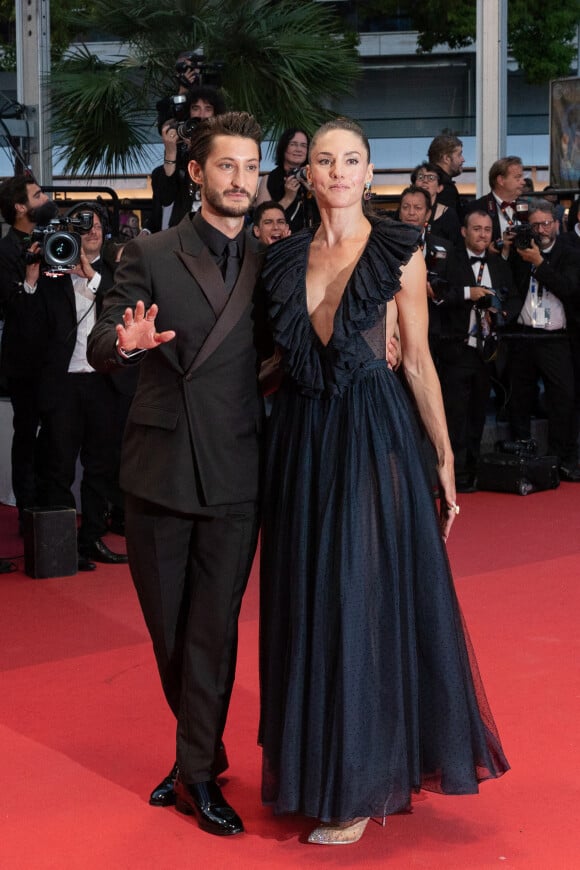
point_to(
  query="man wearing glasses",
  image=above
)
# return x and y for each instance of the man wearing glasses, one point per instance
(547, 275)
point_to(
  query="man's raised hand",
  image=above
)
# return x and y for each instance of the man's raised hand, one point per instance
(137, 332)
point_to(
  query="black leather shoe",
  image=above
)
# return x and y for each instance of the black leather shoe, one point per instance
(99, 551)
(85, 564)
(205, 801)
(163, 795)
(570, 475)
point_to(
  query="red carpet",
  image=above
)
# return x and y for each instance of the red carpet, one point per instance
(85, 734)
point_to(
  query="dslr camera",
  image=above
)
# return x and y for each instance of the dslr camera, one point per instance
(205, 73)
(299, 172)
(181, 121)
(523, 236)
(494, 300)
(436, 255)
(60, 243)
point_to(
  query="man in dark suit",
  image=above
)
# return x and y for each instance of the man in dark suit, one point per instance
(547, 275)
(467, 319)
(191, 454)
(446, 152)
(79, 405)
(506, 180)
(24, 331)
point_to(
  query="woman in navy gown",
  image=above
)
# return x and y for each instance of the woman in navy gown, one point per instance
(369, 688)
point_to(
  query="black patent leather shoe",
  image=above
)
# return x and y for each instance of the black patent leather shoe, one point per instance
(99, 552)
(163, 795)
(205, 801)
(85, 564)
(570, 475)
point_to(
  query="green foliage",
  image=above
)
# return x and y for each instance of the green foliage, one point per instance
(541, 35)
(62, 30)
(283, 61)
(97, 111)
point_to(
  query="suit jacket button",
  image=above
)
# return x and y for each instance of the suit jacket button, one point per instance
(189, 376)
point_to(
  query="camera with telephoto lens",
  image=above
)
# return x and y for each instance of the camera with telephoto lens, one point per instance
(299, 172)
(206, 73)
(185, 127)
(60, 243)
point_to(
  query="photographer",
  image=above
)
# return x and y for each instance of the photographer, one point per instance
(468, 319)
(187, 74)
(415, 209)
(502, 203)
(174, 194)
(78, 404)
(547, 276)
(287, 184)
(23, 204)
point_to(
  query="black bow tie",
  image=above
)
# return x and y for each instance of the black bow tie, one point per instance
(477, 259)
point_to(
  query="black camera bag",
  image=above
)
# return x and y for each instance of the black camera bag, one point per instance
(506, 472)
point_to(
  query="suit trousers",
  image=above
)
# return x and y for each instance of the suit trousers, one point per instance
(190, 572)
(548, 356)
(81, 422)
(466, 387)
(23, 394)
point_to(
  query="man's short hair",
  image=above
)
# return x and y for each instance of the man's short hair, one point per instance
(478, 211)
(426, 167)
(12, 191)
(412, 189)
(266, 206)
(229, 124)
(501, 167)
(443, 145)
(541, 205)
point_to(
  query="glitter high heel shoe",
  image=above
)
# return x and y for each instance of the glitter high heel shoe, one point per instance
(339, 835)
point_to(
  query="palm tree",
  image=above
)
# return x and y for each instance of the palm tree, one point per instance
(283, 60)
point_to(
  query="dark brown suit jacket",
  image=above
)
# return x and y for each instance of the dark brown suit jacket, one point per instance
(192, 437)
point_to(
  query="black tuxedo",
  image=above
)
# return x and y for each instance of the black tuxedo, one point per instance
(464, 375)
(80, 413)
(190, 463)
(23, 342)
(541, 352)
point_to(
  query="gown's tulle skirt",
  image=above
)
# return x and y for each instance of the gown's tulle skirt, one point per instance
(370, 689)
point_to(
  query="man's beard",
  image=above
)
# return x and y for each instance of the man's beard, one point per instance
(235, 209)
(42, 214)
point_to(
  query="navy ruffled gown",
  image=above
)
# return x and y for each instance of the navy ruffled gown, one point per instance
(369, 688)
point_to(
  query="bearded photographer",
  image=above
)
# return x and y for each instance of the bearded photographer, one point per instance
(23, 205)
(547, 276)
(79, 405)
(174, 194)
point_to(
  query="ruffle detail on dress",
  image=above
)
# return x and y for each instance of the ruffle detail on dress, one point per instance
(328, 370)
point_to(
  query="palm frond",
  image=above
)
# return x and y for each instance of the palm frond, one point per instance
(284, 61)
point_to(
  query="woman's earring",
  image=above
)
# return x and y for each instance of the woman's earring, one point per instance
(367, 193)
